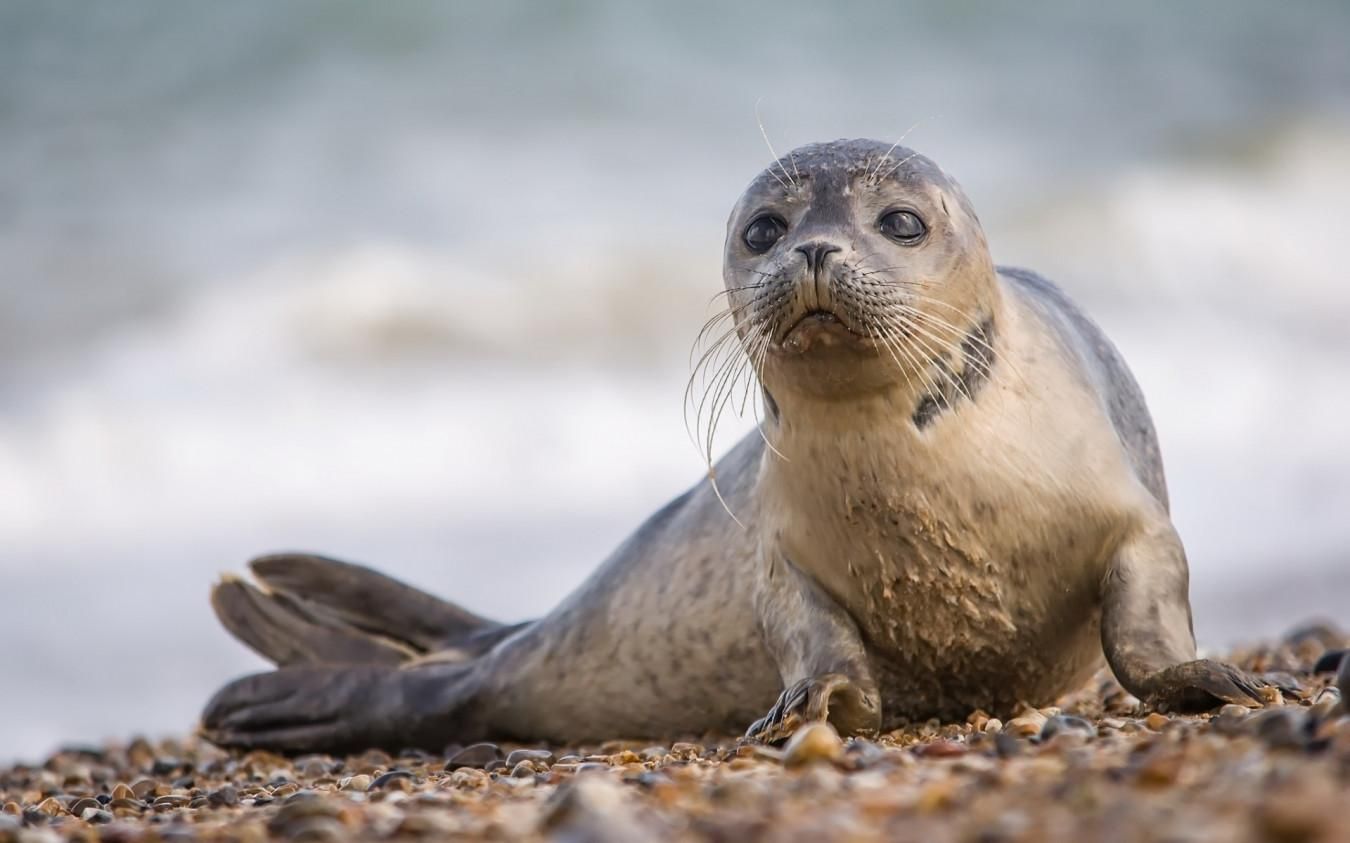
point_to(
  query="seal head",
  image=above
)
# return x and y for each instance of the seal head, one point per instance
(858, 250)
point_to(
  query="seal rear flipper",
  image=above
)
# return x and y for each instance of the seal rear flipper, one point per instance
(288, 632)
(369, 600)
(342, 709)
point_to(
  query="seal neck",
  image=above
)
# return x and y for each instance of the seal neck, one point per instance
(935, 375)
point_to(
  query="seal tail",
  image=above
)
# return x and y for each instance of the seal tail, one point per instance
(310, 610)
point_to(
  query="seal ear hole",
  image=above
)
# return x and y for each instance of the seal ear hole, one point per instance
(764, 231)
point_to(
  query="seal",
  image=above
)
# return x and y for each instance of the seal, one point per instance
(954, 501)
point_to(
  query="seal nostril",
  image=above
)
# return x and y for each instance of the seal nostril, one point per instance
(816, 251)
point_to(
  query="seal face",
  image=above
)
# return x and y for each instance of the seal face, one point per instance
(954, 501)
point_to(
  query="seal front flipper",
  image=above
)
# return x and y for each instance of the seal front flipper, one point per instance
(1147, 634)
(344, 709)
(819, 654)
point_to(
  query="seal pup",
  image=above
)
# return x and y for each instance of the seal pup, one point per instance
(955, 500)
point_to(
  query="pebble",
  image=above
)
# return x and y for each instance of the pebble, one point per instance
(1026, 725)
(1281, 728)
(79, 806)
(1330, 661)
(941, 749)
(1067, 724)
(478, 755)
(359, 782)
(396, 779)
(541, 756)
(811, 743)
(1275, 774)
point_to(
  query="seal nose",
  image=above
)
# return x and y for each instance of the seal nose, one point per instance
(816, 251)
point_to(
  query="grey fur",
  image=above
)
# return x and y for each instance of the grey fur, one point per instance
(964, 507)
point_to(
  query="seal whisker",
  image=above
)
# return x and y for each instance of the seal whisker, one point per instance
(887, 338)
(871, 178)
(895, 342)
(940, 350)
(891, 171)
(939, 390)
(779, 161)
(921, 319)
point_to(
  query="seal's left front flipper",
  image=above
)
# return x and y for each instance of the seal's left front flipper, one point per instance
(820, 656)
(343, 709)
(1147, 634)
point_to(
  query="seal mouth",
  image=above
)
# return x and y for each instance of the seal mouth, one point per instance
(822, 327)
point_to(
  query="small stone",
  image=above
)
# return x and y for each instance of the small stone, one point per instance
(51, 806)
(1006, 745)
(144, 789)
(478, 755)
(165, 766)
(1330, 661)
(1026, 725)
(1281, 728)
(591, 808)
(394, 779)
(1160, 767)
(225, 797)
(941, 749)
(1157, 721)
(1231, 719)
(96, 816)
(122, 791)
(542, 756)
(79, 806)
(359, 782)
(1067, 724)
(993, 726)
(811, 743)
(1327, 703)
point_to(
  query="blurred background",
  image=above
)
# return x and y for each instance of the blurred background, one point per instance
(415, 284)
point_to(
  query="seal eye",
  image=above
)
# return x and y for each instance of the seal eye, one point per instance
(763, 232)
(903, 227)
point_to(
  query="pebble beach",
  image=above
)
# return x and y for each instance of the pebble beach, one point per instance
(1096, 766)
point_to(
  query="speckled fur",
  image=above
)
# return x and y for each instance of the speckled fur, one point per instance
(942, 548)
(970, 552)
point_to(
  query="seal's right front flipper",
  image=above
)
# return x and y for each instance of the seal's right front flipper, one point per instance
(819, 654)
(1146, 629)
(343, 709)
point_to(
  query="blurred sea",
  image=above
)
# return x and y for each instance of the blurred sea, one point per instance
(415, 284)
